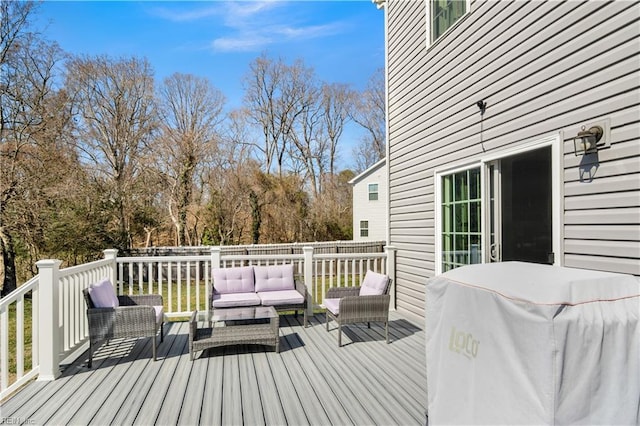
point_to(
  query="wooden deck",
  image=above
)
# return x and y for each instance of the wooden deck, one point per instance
(311, 381)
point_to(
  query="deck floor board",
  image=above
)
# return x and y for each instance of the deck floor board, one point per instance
(311, 381)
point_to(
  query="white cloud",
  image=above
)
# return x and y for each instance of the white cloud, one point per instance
(187, 15)
(247, 26)
(311, 31)
(246, 43)
(259, 38)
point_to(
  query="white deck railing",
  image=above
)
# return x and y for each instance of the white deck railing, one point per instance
(22, 306)
(49, 311)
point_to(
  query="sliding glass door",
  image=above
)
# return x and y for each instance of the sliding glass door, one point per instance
(520, 208)
(515, 192)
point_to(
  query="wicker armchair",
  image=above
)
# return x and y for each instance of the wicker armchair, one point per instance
(347, 305)
(136, 316)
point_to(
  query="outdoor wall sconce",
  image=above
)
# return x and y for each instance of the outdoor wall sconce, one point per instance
(482, 105)
(586, 142)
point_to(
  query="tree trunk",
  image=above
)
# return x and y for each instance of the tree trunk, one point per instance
(255, 216)
(8, 279)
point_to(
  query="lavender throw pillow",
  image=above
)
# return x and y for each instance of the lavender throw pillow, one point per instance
(374, 284)
(103, 295)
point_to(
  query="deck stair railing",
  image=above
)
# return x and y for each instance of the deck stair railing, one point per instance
(44, 320)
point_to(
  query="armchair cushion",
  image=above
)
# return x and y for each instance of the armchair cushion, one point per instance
(103, 295)
(282, 297)
(233, 280)
(332, 305)
(374, 284)
(274, 278)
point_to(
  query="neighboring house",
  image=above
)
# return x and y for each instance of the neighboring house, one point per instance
(485, 102)
(370, 203)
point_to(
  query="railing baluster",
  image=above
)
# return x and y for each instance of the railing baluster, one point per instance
(207, 284)
(20, 337)
(179, 285)
(65, 311)
(355, 271)
(120, 278)
(323, 279)
(160, 278)
(346, 272)
(188, 286)
(35, 331)
(331, 269)
(169, 283)
(150, 277)
(197, 287)
(130, 277)
(140, 279)
(4, 345)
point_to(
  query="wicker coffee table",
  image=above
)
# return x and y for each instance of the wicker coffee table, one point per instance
(257, 325)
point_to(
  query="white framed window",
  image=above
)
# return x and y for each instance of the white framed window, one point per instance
(442, 15)
(373, 192)
(461, 229)
(364, 228)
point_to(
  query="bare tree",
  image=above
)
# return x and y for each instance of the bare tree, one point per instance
(369, 111)
(116, 119)
(275, 95)
(337, 101)
(308, 144)
(191, 112)
(27, 119)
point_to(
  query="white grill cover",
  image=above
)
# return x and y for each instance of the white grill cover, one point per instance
(519, 343)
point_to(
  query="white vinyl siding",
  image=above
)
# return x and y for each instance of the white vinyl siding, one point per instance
(543, 68)
(369, 203)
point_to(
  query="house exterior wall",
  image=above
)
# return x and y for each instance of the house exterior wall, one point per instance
(373, 211)
(544, 69)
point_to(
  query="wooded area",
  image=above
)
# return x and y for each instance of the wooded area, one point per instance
(95, 154)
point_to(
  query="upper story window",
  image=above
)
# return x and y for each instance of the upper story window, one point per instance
(373, 192)
(443, 14)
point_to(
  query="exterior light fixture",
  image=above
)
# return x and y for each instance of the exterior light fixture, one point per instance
(586, 142)
(482, 105)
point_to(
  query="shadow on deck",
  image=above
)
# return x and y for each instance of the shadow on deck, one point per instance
(311, 381)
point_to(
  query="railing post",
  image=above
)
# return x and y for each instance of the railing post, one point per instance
(308, 278)
(112, 254)
(216, 253)
(215, 256)
(48, 320)
(391, 272)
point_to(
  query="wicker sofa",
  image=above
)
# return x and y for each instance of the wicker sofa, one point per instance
(272, 285)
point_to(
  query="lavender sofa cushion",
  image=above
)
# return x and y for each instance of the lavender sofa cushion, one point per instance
(103, 295)
(273, 278)
(280, 297)
(232, 300)
(233, 280)
(374, 284)
(332, 305)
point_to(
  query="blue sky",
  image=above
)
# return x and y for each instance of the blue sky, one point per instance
(342, 40)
